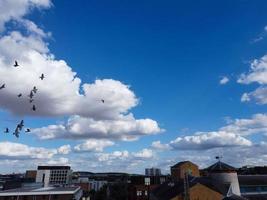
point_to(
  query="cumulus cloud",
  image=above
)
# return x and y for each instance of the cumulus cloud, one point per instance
(157, 145)
(65, 149)
(16, 9)
(124, 128)
(10, 150)
(62, 93)
(144, 154)
(58, 161)
(224, 80)
(93, 145)
(209, 140)
(257, 124)
(257, 73)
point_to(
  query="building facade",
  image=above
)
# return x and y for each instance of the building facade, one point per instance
(53, 175)
(152, 172)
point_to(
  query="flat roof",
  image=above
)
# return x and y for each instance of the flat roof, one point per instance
(47, 167)
(40, 191)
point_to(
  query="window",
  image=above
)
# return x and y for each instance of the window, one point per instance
(139, 193)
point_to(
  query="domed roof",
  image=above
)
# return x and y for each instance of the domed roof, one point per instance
(220, 167)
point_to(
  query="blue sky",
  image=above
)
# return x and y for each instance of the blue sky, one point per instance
(173, 56)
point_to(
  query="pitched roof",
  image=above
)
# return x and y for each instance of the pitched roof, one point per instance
(181, 163)
(220, 167)
(168, 190)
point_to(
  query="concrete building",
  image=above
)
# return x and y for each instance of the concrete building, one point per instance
(53, 175)
(152, 172)
(47, 193)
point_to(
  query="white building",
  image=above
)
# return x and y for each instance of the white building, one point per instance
(53, 175)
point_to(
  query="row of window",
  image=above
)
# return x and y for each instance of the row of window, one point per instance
(140, 193)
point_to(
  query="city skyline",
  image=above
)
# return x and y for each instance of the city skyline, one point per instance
(124, 86)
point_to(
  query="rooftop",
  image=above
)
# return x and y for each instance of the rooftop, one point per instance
(46, 167)
(40, 191)
(220, 167)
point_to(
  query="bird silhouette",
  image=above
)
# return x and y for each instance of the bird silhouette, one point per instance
(31, 95)
(103, 101)
(16, 64)
(19, 95)
(34, 89)
(16, 132)
(6, 130)
(33, 108)
(20, 125)
(28, 130)
(42, 77)
(3, 86)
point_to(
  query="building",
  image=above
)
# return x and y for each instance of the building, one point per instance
(179, 170)
(96, 185)
(47, 193)
(253, 187)
(152, 172)
(197, 188)
(31, 174)
(139, 186)
(224, 177)
(221, 182)
(53, 175)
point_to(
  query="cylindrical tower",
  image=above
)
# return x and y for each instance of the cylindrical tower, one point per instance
(224, 177)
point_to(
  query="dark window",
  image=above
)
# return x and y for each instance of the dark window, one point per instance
(43, 178)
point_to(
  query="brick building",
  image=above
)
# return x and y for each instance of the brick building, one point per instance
(178, 170)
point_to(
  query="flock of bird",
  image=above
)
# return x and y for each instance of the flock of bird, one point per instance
(31, 99)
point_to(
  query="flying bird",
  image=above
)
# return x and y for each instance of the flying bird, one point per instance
(103, 101)
(42, 77)
(33, 108)
(31, 95)
(6, 130)
(28, 130)
(19, 95)
(16, 64)
(34, 89)
(16, 132)
(20, 125)
(3, 86)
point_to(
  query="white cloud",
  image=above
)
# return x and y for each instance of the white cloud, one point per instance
(245, 97)
(93, 145)
(257, 124)
(144, 154)
(61, 92)
(208, 140)
(257, 73)
(224, 80)
(10, 150)
(124, 128)
(159, 146)
(65, 149)
(16, 9)
(59, 161)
